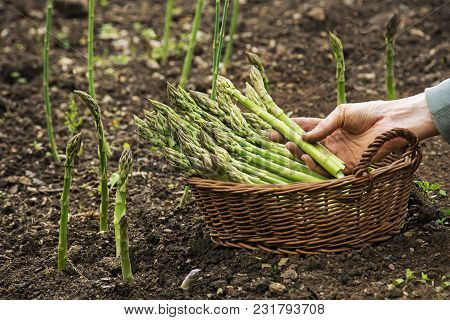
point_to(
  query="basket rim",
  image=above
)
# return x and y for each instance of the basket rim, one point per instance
(404, 162)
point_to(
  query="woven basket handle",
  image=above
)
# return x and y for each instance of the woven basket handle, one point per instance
(374, 147)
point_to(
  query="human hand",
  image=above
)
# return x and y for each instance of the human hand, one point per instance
(350, 128)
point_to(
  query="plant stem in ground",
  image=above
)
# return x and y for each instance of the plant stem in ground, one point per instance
(96, 114)
(127, 273)
(91, 16)
(185, 196)
(391, 29)
(217, 50)
(338, 53)
(166, 35)
(192, 42)
(229, 47)
(125, 167)
(48, 107)
(73, 147)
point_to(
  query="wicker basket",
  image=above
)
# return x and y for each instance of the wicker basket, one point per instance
(330, 216)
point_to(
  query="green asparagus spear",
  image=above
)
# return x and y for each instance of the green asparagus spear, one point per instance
(73, 147)
(125, 167)
(103, 169)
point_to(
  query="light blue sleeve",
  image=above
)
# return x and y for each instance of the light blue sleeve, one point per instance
(438, 100)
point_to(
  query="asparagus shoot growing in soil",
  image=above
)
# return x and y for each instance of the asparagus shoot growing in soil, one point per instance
(185, 196)
(190, 279)
(166, 35)
(217, 45)
(125, 167)
(192, 42)
(232, 30)
(73, 147)
(103, 169)
(91, 48)
(391, 29)
(255, 61)
(338, 53)
(125, 262)
(48, 107)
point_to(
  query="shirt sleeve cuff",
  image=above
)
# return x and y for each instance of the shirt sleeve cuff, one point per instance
(438, 101)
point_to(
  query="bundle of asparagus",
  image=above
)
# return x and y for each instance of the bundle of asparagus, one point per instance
(213, 139)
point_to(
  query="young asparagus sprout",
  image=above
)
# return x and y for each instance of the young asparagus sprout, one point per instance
(338, 53)
(73, 147)
(229, 47)
(48, 107)
(166, 35)
(190, 279)
(125, 168)
(192, 42)
(127, 274)
(185, 196)
(217, 45)
(255, 61)
(91, 16)
(96, 114)
(391, 30)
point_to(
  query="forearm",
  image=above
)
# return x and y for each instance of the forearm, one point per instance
(412, 113)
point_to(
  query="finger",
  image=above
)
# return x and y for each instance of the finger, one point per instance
(307, 124)
(311, 164)
(295, 150)
(388, 147)
(275, 136)
(327, 126)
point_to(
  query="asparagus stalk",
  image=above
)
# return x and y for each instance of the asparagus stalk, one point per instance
(125, 167)
(217, 46)
(255, 122)
(207, 142)
(91, 48)
(338, 53)
(48, 107)
(230, 115)
(332, 167)
(73, 147)
(185, 196)
(216, 33)
(96, 114)
(229, 47)
(192, 42)
(260, 96)
(391, 29)
(178, 161)
(166, 35)
(233, 147)
(127, 273)
(256, 62)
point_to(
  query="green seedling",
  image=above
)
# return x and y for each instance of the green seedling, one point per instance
(102, 152)
(190, 50)
(48, 107)
(391, 29)
(338, 53)
(73, 147)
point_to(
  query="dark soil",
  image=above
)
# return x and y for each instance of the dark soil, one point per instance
(166, 241)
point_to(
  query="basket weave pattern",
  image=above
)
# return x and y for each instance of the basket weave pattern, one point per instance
(330, 216)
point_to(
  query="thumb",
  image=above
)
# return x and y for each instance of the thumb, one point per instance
(326, 127)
